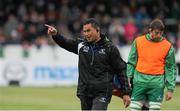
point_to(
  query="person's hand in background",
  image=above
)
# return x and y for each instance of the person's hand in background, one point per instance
(168, 95)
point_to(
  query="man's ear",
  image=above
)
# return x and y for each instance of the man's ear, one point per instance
(150, 29)
(97, 29)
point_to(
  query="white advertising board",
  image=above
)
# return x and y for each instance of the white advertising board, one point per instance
(40, 70)
(47, 66)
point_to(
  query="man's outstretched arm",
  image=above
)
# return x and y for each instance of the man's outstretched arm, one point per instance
(68, 44)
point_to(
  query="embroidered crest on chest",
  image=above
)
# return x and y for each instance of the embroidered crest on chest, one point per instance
(85, 49)
(102, 51)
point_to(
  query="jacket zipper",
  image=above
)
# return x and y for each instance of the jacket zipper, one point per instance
(92, 58)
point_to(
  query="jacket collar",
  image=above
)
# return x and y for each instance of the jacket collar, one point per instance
(148, 36)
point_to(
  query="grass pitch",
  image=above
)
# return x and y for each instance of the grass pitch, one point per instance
(59, 98)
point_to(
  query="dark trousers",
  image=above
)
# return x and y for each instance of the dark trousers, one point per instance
(94, 103)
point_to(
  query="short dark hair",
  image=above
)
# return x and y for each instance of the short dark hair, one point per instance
(157, 24)
(95, 24)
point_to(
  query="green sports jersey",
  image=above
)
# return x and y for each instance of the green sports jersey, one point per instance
(167, 80)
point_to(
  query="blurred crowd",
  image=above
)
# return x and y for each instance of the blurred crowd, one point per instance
(22, 21)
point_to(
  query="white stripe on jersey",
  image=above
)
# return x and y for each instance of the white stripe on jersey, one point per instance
(79, 46)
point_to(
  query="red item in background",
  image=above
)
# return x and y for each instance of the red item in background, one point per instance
(117, 92)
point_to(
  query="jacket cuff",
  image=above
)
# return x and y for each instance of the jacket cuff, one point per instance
(126, 93)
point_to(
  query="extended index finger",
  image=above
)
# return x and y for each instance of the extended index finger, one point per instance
(47, 25)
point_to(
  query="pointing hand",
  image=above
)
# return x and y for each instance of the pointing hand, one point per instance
(51, 30)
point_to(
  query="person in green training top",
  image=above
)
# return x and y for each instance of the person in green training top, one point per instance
(152, 67)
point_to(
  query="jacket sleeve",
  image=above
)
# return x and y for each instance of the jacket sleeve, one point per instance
(170, 70)
(68, 44)
(132, 60)
(119, 68)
